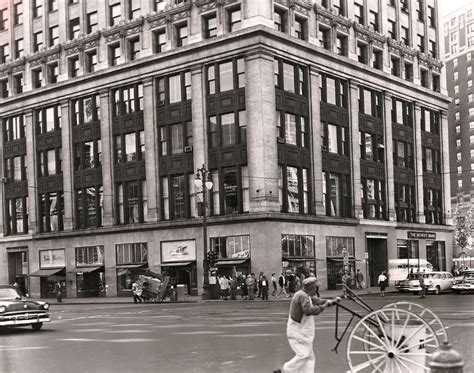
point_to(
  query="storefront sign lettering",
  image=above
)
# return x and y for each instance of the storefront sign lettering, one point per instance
(422, 235)
(177, 251)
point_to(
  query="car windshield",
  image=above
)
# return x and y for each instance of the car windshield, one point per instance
(412, 276)
(469, 275)
(9, 294)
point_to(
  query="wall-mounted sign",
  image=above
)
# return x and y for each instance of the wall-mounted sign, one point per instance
(52, 258)
(422, 235)
(178, 251)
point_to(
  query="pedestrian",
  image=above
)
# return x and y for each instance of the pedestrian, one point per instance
(282, 284)
(298, 283)
(250, 286)
(58, 289)
(421, 279)
(233, 287)
(274, 284)
(136, 292)
(382, 281)
(359, 279)
(300, 327)
(291, 286)
(345, 282)
(263, 286)
(258, 285)
(243, 287)
(225, 285)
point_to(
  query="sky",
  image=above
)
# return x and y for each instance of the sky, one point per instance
(448, 6)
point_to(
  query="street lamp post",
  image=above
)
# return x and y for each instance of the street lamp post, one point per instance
(203, 181)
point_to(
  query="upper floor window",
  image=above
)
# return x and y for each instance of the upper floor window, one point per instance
(19, 48)
(228, 129)
(293, 185)
(280, 19)
(370, 102)
(234, 19)
(333, 91)
(3, 18)
(420, 10)
(17, 14)
(404, 6)
(127, 100)
(174, 88)
(90, 58)
(392, 29)
(402, 112)
(130, 147)
(300, 28)
(131, 202)
(176, 138)
(114, 14)
(159, 40)
(403, 154)
(431, 16)
(181, 34)
(114, 54)
(371, 147)
(374, 20)
(37, 8)
(53, 36)
(290, 77)
(92, 22)
(133, 48)
(37, 41)
(226, 76)
(359, 13)
(14, 128)
(52, 5)
(292, 129)
(430, 121)
(86, 110)
(335, 138)
(210, 25)
(340, 7)
(74, 28)
(48, 119)
(133, 9)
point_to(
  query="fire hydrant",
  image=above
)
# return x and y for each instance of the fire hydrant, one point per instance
(446, 360)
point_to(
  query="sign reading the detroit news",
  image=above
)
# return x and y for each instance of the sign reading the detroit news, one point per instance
(422, 235)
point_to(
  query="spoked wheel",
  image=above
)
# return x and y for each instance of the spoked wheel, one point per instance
(391, 340)
(427, 315)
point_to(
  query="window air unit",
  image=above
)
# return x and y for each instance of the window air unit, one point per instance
(281, 140)
(188, 149)
(161, 103)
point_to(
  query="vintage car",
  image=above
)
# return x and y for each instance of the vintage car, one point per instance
(436, 282)
(466, 283)
(17, 310)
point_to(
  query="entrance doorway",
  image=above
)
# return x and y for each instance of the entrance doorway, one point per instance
(18, 270)
(378, 260)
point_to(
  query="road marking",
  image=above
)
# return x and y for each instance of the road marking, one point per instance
(14, 348)
(469, 325)
(86, 330)
(128, 331)
(250, 335)
(199, 332)
(170, 326)
(128, 325)
(134, 340)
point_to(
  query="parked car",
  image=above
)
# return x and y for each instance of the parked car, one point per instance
(436, 282)
(466, 283)
(18, 310)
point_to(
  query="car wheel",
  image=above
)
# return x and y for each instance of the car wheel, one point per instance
(37, 326)
(437, 290)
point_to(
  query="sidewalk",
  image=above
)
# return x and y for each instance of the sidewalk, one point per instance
(197, 299)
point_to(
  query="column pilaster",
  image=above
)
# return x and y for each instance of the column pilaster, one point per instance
(31, 173)
(107, 156)
(68, 184)
(151, 154)
(390, 182)
(448, 218)
(418, 164)
(356, 179)
(199, 116)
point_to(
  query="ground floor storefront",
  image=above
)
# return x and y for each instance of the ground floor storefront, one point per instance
(108, 264)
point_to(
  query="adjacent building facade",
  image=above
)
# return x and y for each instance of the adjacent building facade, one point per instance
(459, 41)
(323, 128)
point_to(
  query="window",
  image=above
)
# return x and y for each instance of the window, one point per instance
(431, 16)
(333, 91)
(336, 194)
(91, 61)
(73, 66)
(17, 14)
(231, 247)
(405, 35)
(52, 5)
(131, 202)
(402, 113)
(114, 14)
(37, 41)
(300, 28)
(37, 8)
(53, 36)
(210, 26)
(133, 9)
(158, 5)
(469, 70)
(114, 54)
(131, 253)
(51, 211)
(230, 75)
(456, 88)
(53, 72)
(395, 65)
(454, 36)
(392, 29)
(48, 119)
(90, 256)
(92, 22)
(374, 20)
(174, 138)
(373, 198)
(341, 45)
(293, 189)
(340, 7)
(88, 154)
(4, 88)
(3, 18)
(127, 100)
(403, 154)
(377, 59)
(74, 28)
(359, 13)
(280, 19)
(17, 215)
(420, 16)
(14, 128)
(159, 40)
(362, 53)
(421, 43)
(292, 129)
(433, 205)
(454, 48)
(134, 48)
(18, 83)
(126, 276)
(297, 246)
(433, 49)
(234, 20)
(324, 36)
(86, 110)
(181, 35)
(4, 53)
(408, 70)
(174, 89)
(404, 6)
(19, 48)
(458, 157)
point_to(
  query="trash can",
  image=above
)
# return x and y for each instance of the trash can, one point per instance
(180, 292)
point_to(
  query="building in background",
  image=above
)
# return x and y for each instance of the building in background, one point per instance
(323, 127)
(459, 52)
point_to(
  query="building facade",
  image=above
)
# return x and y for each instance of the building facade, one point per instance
(459, 41)
(323, 128)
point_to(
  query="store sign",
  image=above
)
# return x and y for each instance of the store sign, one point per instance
(178, 251)
(422, 235)
(52, 258)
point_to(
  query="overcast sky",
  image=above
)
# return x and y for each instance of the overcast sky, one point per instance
(448, 6)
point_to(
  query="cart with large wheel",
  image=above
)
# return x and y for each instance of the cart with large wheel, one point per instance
(154, 288)
(398, 338)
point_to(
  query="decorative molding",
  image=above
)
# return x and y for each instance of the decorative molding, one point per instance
(331, 19)
(123, 29)
(83, 42)
(430, 62)
(369, 35)
(401, 50)
(169, 14)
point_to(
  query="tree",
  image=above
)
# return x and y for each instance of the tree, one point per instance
(464, 228)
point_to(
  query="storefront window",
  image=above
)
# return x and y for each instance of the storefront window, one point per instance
(131, 260)
(436, 254)
(231, 247)
(408, 249)
(297, 246)
(52, 258)
(89, 256)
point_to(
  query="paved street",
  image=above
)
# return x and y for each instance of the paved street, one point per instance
(212, 336)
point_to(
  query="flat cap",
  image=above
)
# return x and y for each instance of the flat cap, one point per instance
(307, 282)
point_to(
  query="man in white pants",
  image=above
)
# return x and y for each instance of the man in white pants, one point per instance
(300, 327)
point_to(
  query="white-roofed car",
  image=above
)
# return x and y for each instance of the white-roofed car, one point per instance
(17, 310)
(436, 282)
(466, 283)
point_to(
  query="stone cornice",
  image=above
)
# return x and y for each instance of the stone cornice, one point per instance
(168, 14)
(206, 5)
(83, 42)
(369, 35)
(401, 49)
(45, 56)
(331, 19)
(13, 67)
(123, 29)
(428, 61)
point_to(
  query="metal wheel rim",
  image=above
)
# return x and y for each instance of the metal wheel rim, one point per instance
(427, 315)
(382, 353)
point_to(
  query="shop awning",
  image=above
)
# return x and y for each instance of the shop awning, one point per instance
(130, 266)
(224, 263)
(45, 272)
(342, 259)
(174, 264)
(301, 259)
(85, 269)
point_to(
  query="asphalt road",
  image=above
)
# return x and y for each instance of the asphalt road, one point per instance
(217, 336)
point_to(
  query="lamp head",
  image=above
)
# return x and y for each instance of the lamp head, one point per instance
(198, 183)
(209, 184)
